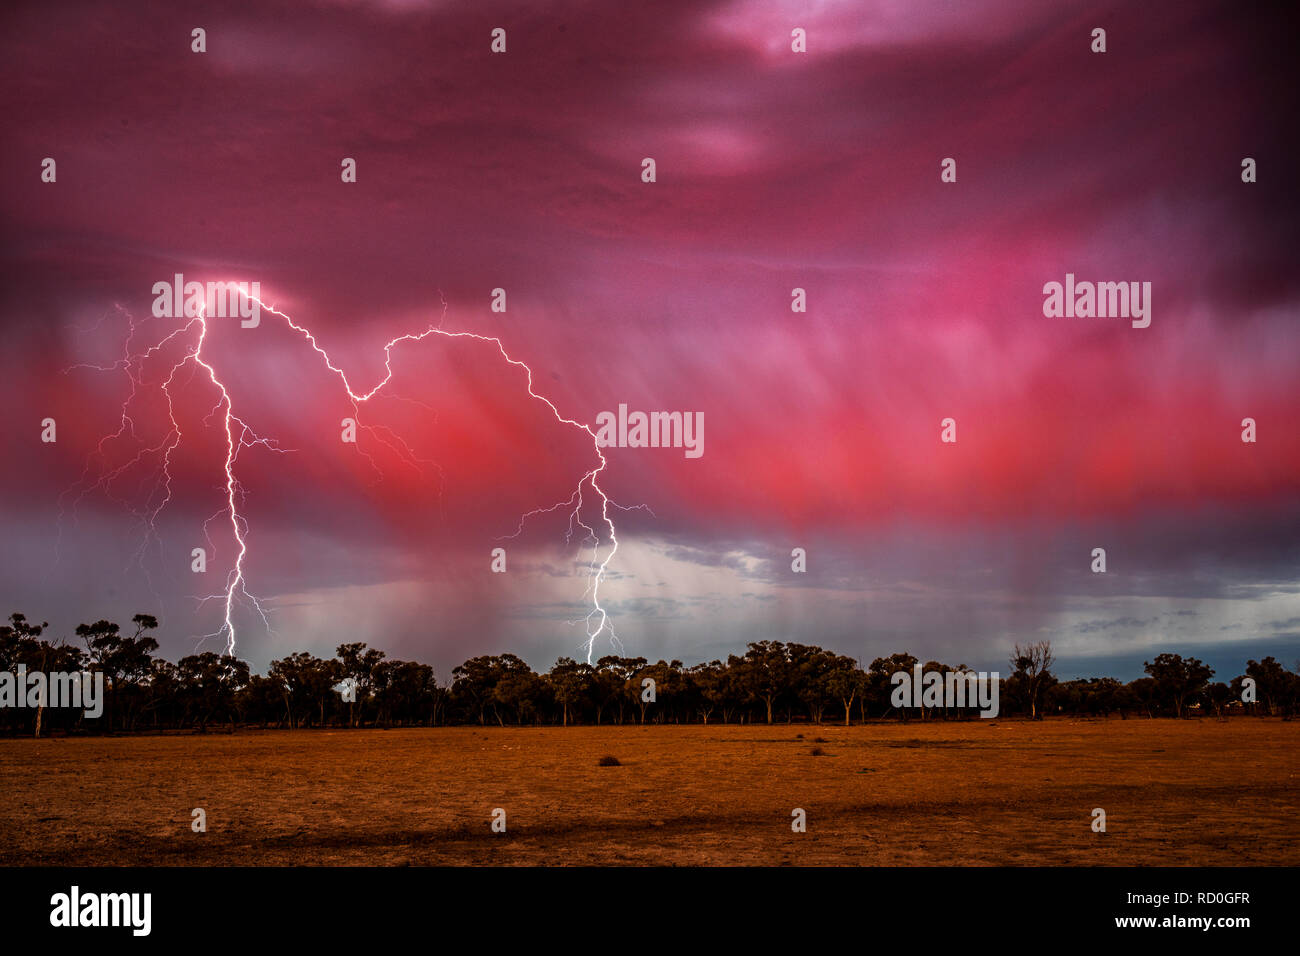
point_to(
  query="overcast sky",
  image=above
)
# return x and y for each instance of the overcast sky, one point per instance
(775, 170)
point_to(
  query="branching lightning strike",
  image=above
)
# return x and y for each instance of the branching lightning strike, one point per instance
(239, 435)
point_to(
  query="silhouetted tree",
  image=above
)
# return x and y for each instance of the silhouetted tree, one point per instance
(571, 683)
(1032, 664)
(1178, 680)
(845, 681)
(1271, 680)
(301, 689)
(878, 687)
(358, 663)
(209, 683)
(764, 673)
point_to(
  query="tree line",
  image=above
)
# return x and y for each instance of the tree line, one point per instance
(772, 681)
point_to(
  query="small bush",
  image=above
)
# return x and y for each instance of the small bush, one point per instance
(608, 761)
(818, 752)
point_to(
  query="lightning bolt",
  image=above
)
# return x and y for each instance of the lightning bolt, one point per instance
(239, 435)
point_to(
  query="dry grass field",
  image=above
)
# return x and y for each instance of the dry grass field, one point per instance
(1194, 792)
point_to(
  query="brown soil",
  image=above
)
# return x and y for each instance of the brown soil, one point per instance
(1193, 792)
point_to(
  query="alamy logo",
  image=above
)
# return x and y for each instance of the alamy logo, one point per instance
(1102, 300)
(653, 430)
(222, 300)
(950, 689)
(102, 909)
(84, 689)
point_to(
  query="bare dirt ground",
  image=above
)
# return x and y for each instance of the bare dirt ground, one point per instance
(1193, 792)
